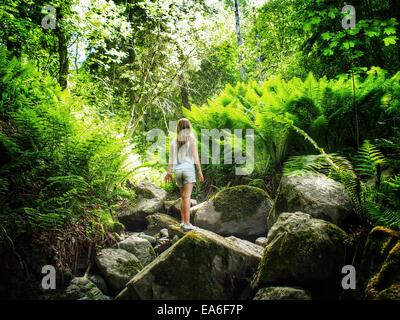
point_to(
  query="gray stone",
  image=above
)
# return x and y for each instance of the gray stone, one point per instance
(134, 218)
(140, 247)
(262, 241)
(99, 283)
(117, 266)
(82, 288)
(239, 211)
(302, 251)
(201, 265)
(150, 239)
(282, 293)
(164, 233)
(148, 190)
(315, 194)
(159, 221)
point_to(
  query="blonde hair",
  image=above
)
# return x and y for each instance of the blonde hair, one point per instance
(184, 138)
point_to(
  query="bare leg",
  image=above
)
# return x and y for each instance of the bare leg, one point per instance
(185, 205)
(182, 217)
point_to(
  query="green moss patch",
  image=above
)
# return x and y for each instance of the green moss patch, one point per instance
(238, 201)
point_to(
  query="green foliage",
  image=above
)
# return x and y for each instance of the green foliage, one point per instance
(300, 117)
(378, 202)
(368, 161)
(60, 159)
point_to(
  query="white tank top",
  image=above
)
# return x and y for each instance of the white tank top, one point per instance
(185, 161)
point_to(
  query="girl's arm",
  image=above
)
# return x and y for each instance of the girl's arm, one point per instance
(197, 160)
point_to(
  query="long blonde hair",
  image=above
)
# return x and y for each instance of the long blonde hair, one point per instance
(184, 136)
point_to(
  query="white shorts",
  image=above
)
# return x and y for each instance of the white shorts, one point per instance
(183, 177)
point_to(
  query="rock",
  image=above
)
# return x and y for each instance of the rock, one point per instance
(99, 282)
(159, 221)
(175, 239)
(82, 288)
(173, 207)
(315, 194)
(240, 211)
(148, 190)
(134, 218)
(201, 265)
(303, 251)
(117, 266)
(150, 239)
(248, 246)
(164, 233)
(140, 247)
(282, 293)
(262, 241)
(162, 245)
(379, 272)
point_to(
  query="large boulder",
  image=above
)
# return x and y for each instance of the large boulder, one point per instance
(134, 217)
(315, 194)
(117, 266)
(379, 272)
(303, 251)
(282, 293)
(150, 200)
(148, 190)
(157, 222)
(201, 265)
(239, 211)
(83, 288)
(139, 247)
(248, 246)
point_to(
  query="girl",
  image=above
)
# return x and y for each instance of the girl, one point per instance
(183, 157)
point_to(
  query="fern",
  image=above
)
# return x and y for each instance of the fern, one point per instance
(368, 161)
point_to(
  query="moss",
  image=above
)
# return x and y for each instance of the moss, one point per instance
(128, 266)
(317, 253)
(195, 254)
(235, 202)
(380, 266)
(116, 227)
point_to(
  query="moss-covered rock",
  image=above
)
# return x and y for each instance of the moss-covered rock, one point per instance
(100, 283)
(116, 227)
(148, 190)
(134, 217)
(303, 251)
(82, 288)
(282, 293)
(139, 247)
(379, 272)
(150, 200)
(315, 194)
(240, 211)
(117, 266)
(201, 265)
(157, 222)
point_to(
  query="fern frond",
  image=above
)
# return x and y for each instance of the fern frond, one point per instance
(368, 160)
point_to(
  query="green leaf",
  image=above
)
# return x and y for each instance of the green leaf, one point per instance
(390, 30)
(326, 35)
(390, 40)
(328, 52)
(348, 44)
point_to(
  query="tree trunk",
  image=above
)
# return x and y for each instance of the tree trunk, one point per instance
(184, 91)
(63, 57)
(239, 38)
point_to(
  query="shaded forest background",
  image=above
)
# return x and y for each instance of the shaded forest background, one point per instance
(77, 101)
